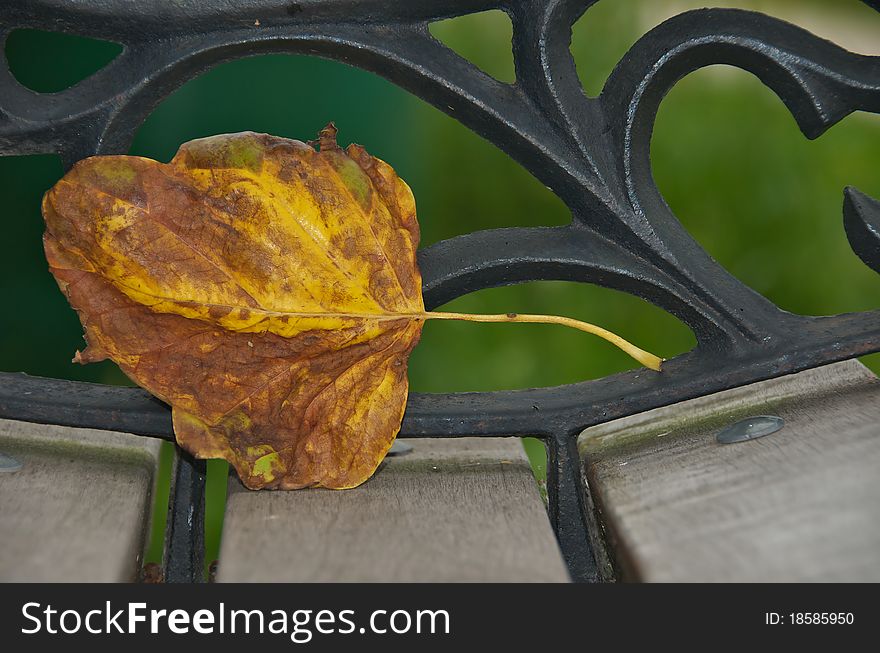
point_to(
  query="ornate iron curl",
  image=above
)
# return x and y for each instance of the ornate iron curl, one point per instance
(592, 152)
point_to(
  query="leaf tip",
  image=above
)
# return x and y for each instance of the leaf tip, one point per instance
(327, 137)
(88, 355)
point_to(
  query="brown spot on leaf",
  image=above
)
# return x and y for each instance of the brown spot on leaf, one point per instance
(217, 312)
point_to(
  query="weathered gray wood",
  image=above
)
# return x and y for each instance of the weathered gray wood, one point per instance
(802, 504)
(452, 510)
(78, 508)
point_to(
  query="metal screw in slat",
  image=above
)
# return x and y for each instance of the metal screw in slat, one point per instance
(8, 464)
(750, 428)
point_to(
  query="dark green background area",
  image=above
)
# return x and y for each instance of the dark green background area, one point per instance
(764, 201)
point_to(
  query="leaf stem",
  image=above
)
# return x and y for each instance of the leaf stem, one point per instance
(645, 358)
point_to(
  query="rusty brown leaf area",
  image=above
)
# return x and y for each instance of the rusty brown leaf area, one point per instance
(264, 288)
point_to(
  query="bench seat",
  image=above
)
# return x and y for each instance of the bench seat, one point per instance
(465, 509)
(800, 504)
(79, 508)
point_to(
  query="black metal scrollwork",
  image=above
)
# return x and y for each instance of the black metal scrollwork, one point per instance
(592, 152)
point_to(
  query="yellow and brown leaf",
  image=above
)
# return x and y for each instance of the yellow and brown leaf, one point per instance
(252, 283)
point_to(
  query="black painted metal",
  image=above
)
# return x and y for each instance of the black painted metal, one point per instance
(185, 531)
(592, 152)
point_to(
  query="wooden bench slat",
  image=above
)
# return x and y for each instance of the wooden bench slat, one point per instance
(801, 504)
(451, 510)
(79, 507)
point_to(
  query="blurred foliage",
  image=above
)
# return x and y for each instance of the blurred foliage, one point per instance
(728, 157)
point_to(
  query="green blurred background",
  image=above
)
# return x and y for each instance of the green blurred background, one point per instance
(728, 157)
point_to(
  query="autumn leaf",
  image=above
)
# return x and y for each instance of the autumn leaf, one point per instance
(267, 290)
